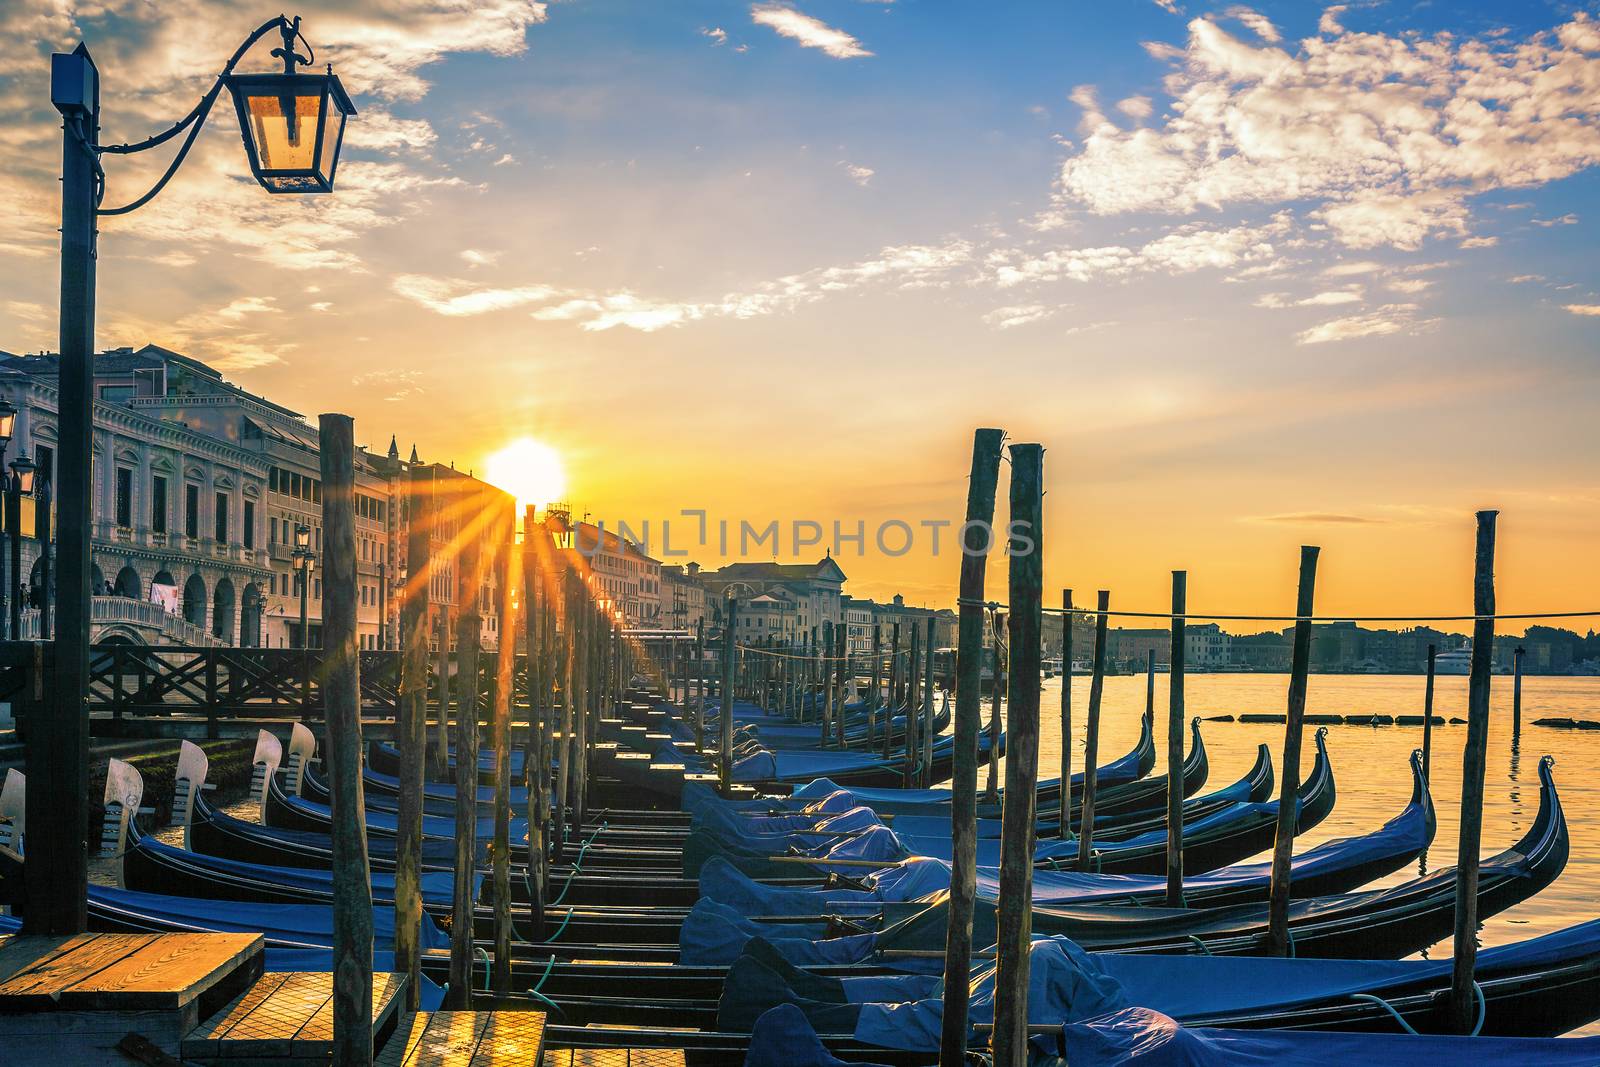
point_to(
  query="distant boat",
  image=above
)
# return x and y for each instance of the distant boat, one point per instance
(1456, 661)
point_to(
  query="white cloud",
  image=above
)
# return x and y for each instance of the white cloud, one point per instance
(807, 31)
(477, 257)
(1184, 250)
(1137, 108)
(1389, 319)
(461, 298)
(1480, 242)
(1328, 298)
(718, 35)
(1169, 6)
(860, 175)
(1386, 137)
(1018, 315)
(1584, 309)
(1255, 21)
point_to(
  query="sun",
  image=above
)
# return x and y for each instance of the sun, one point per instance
(530, 470)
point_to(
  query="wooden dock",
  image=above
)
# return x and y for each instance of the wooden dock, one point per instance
(204, 999)
(73, 999)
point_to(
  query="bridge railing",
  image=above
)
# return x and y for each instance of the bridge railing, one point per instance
(113, 610)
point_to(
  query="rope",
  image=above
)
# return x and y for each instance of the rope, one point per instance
(1204, 949)
(1477, 992)
(994, 605)
(548, 967)
(557, 934)
(577, 865)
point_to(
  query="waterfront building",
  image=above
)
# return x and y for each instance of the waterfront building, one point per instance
(814, 588)
(623, 572)
(683, 597)
(858, 617)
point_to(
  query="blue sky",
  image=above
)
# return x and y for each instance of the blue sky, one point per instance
(1257, 274)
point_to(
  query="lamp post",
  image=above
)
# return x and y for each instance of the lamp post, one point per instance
(41, 533)
(8, 426)
(18, 484)
(292, 125)
(305, 562)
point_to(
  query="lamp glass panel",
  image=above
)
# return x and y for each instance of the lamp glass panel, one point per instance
(8, 424)
(284, 127)
(331, 130)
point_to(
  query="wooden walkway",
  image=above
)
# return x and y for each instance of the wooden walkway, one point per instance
(466, 1039)
(73, 999)
(615, 1057)
(287, 1018)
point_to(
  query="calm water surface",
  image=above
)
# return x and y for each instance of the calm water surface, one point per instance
(1370, 769)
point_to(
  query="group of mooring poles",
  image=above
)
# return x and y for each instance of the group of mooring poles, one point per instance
(1010, 1031)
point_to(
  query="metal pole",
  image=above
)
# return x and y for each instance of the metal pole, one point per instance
(58, 817)
(42, 531)
(14, 524)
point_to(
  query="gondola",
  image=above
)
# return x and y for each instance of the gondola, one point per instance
(1220, 838)
(1360, 925)
(903, 1011)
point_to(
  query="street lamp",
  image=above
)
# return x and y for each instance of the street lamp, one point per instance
(17, 485)
(8, 426)
(305, 561)
(276, 149)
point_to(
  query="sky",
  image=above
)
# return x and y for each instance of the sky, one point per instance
(1256, 277)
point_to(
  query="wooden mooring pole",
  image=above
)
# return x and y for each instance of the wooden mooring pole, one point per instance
(341, 695)
(929, 703)
(468, 628)
(730, 619)
(700, 684)
(1091, 750)
(875, 696)
(1427, 717)
(1175, 713)
(509, 574)
(894, 689)
(412, 726)
(1288, 794)
(439, 751)
(1015, 907)
(841, 639)
(913, 709)
(535, 635)
(1064, 819)
(997, 689)
(976, 538)
(1516, 689)
(1462, 1008)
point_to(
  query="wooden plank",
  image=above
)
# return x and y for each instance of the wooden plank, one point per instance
(171, 971)
(203, 1042)
(511, 1039)
(18, 952)
(405, 1039)
(38, 987)
(451, 1038)
(269, 1028)
(316, 1036)
(615, 1057)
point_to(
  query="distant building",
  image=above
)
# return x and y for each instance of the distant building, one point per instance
(624, 574)
(1206, 647)
(1129, 647)
(683, 597)
(1261, 652)
(858, 624)
(815, 589)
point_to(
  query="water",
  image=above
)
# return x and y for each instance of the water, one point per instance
(1370, 768)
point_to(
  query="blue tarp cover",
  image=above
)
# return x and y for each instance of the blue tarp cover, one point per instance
(438, 887)
(283, 925)
(1148, 1038)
